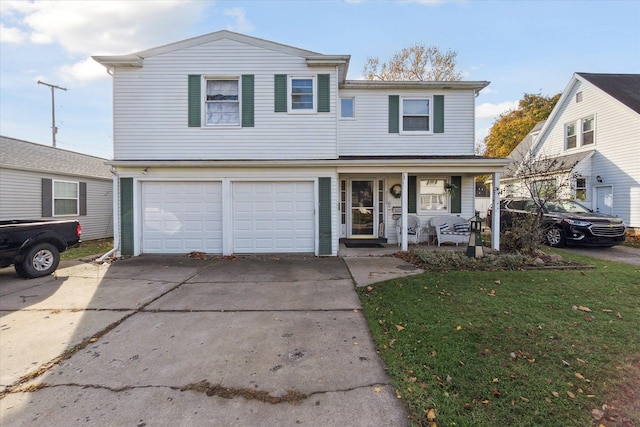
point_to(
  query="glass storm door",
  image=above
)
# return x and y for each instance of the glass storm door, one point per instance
(363, 216)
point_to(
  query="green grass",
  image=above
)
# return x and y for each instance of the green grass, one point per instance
(488, 348)
(88, 248)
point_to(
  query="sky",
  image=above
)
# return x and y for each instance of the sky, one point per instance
(519, 46)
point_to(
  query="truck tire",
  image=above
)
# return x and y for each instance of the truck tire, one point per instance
(40, 260)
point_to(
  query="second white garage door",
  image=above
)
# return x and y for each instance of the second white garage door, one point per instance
(273, 217)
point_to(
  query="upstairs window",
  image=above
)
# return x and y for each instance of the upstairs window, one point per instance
(347, 108)
(65, 198)
(587, 131)
(571, 136)
(415, 115)
(580, 133)
(222, 104)
(301, 96)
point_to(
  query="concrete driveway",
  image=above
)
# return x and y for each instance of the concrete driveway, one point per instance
(247, 341)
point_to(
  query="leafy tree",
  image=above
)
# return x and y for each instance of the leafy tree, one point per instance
(511, 127)
(414, 63)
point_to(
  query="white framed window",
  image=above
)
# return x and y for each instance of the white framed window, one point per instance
(581, 189)
(66, 198)
(222, 102)
(415, 115)
(302, 97)
(587, 130)
(347, 108)
(571, 136)
(433, 195)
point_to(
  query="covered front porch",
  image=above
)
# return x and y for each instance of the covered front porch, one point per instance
(377, 196)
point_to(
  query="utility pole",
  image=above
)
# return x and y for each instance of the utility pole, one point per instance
(54, 129)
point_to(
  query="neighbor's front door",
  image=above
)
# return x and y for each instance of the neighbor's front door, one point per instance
(604, 199)
(363, 208)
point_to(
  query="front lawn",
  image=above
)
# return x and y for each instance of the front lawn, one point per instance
(516, 348)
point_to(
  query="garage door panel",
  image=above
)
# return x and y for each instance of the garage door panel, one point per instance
(273, 217)
(180, 217)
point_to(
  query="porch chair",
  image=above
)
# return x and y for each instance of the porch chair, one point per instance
(414, 229)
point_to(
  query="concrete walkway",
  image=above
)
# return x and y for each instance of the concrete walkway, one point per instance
(246, 341)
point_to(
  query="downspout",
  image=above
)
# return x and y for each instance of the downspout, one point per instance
(116, 214)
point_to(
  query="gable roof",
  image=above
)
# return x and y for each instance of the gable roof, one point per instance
(136, 59)
(28, 156)
(623, 87)
(519, 152)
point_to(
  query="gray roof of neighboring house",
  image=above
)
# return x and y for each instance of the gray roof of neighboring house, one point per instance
(23, 155)
(623, 87)
(521, 149)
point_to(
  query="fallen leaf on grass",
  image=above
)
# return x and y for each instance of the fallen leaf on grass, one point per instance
(571, 395)
(431, 414)
(579, 376)
(399, 328)
(524, 399)
(583, 308)
(555, 394)
(606, 310)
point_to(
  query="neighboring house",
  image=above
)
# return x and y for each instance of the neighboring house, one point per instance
(226, 143)
(41, 182)
(590, 140)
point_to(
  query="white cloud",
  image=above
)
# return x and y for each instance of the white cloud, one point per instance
(11, 35)
(489, 110)
(84, 28)
(84, 70)
(242, 24)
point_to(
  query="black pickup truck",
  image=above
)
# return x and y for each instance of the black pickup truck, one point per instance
(34, 247)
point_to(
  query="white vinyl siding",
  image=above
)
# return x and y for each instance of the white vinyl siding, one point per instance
(21, 198)
(369, 135)
(150, 108)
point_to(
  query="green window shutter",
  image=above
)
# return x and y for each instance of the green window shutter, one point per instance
(126, 216)
(194, 101)
(248, 109)
(394, 114)
(412, 195)
(323, 93)
(438, 114)
(324, 216)
(83, 199)
(280, 93)
(456, 194)
(47, 198)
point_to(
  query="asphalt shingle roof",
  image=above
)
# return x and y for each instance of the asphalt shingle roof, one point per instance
(623, 87)
(18, 154)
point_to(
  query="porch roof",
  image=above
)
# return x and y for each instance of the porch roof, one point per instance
(472, 165)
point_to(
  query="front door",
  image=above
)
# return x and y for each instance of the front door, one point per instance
(363, 216)
(604, 199)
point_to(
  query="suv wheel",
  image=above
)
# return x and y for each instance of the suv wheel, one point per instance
(41, 260)
(555, 237)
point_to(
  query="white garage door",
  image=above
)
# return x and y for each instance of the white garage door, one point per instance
(273, 217)
(181, 217)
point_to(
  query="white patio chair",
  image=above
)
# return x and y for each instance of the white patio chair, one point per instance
(414, 229)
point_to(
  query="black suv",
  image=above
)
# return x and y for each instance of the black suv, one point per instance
(565, 222)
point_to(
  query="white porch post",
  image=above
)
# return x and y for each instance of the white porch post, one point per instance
(405, 210)
(495, 212)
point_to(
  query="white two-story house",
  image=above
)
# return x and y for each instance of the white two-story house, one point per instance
(230, 144)
(591, 138)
